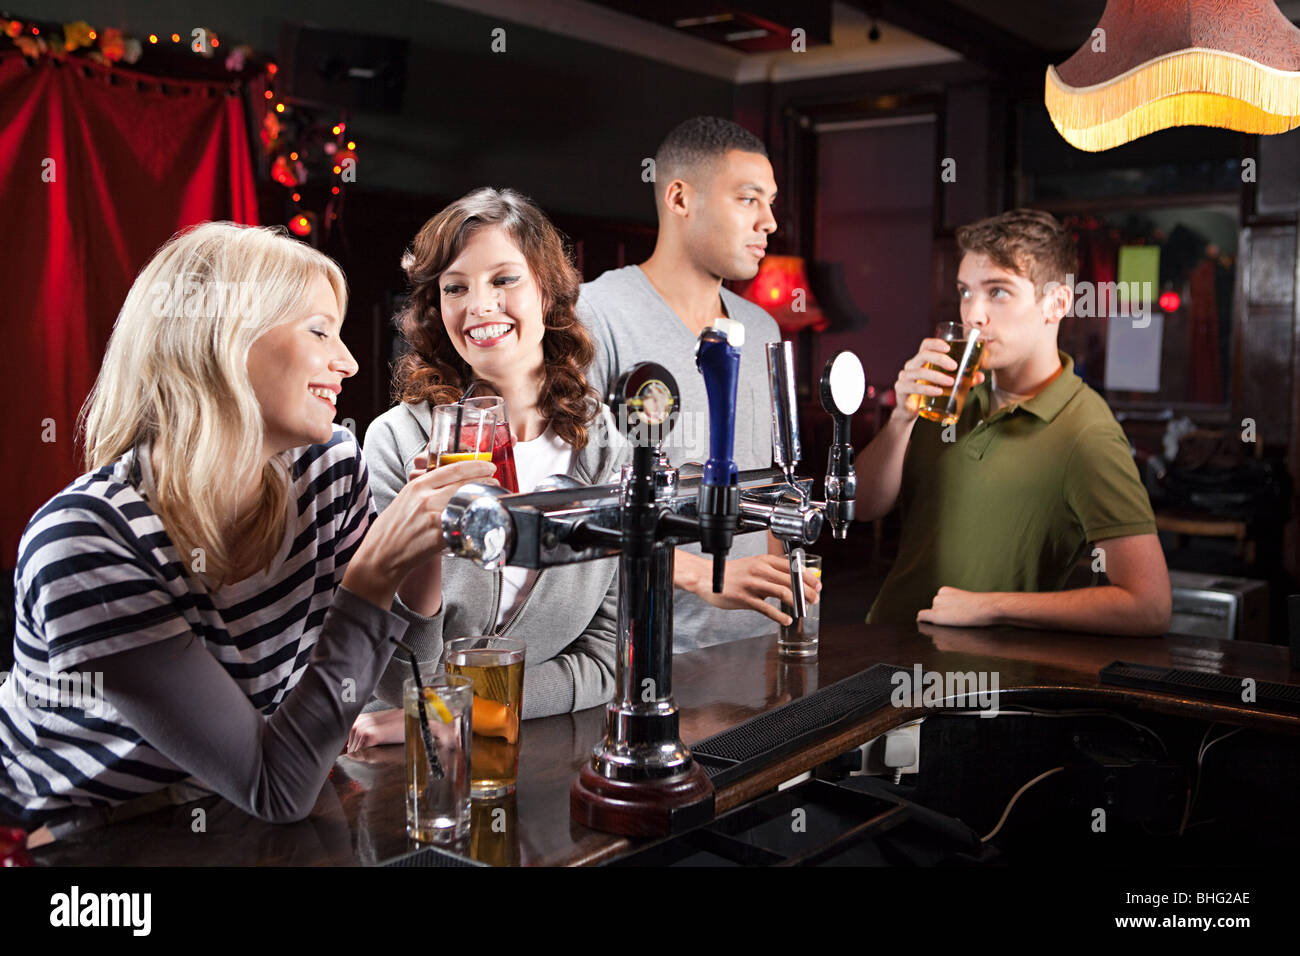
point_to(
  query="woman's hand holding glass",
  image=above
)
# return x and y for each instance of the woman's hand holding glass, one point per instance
(408, 533)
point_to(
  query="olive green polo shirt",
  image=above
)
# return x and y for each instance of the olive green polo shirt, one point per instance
(1013, 500)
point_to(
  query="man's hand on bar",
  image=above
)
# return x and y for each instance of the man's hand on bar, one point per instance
(1135, 603)
(748, 584)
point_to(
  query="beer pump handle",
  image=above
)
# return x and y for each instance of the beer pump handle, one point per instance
(717, 356)
(843, 387)
(786, 451)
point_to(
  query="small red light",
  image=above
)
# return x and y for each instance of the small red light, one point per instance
(279, 107)
(300, 226)
(269, 95)
(176, 38)
(297, 197)
(1170, 301)
(335, 190)
(271, 68)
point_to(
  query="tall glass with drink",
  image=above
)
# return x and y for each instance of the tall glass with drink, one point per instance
(461, 433)
(503, 442)
(966, 348)
(496, 666)
(799, 639)
(438, 791)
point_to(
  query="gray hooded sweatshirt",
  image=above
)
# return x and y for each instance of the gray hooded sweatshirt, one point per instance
(568, 620)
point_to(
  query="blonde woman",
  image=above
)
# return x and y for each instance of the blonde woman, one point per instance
(219, 576)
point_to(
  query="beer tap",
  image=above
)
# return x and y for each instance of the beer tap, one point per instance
(843, 387)
(717, 356)
(642, 779)
(786, 452)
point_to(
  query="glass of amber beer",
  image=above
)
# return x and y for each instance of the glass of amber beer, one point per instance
(966, 348)
(496, 666)
(461, 433)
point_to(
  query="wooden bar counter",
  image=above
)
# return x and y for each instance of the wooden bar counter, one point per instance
(359, 818)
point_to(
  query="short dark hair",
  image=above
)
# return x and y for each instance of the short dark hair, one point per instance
(1028, 242)
(699, 141)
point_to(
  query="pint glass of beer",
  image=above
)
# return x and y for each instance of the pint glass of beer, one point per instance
(966, 348)
(496, 666)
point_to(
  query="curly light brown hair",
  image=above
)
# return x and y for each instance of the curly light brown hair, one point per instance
(1028, 242)
(433, 371)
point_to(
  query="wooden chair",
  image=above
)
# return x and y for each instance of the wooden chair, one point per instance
(1187, 522)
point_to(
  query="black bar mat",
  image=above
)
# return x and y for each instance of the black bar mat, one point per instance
(787, 729)
(431, 856)
(1219, 688)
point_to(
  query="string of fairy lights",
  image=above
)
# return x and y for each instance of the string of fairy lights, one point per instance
(304, 148)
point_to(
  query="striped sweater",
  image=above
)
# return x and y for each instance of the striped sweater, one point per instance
(97, 575)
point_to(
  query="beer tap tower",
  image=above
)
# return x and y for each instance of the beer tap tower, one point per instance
(641, 780)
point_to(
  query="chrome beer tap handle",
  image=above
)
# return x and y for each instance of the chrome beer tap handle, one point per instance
(786, 452)
(843, 386)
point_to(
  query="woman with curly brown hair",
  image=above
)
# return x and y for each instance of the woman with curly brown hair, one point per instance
(492, 302)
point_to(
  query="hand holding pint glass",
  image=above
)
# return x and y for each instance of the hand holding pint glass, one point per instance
(934, 383)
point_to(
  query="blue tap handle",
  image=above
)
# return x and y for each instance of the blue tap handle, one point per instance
(717, 356)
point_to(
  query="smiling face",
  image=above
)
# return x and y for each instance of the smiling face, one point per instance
(1018, 326)
(492, 308)
(728, 214)
(297, 371)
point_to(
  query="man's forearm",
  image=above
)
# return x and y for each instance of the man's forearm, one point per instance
(879, 468)
(1104, 610)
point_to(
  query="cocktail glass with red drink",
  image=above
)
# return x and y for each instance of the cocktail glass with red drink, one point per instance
(503, 446)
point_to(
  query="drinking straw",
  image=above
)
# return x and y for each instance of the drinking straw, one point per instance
(460, 413)
(434, 766)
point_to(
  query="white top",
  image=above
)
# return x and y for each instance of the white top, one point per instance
(546, 455)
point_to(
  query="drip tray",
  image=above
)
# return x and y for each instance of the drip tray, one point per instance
(813, 823)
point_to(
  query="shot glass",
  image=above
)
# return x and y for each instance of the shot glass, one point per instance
(966, 348)
(496, 666)
(461, 433)
(800, 638)
(438, 808)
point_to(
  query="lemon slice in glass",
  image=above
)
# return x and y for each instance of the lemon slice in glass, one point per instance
(441, 709)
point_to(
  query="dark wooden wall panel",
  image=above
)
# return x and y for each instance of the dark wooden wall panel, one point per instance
(1265, 331)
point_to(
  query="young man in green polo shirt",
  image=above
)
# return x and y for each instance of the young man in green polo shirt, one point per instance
(998, 509)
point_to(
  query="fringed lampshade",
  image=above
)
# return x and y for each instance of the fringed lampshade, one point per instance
(1153, 64)
(781, 287)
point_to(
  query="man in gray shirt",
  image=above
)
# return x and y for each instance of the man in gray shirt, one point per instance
(713, 193)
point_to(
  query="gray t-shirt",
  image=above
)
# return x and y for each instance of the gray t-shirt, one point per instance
(631, 323)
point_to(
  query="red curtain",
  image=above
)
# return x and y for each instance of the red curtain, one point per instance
(98, 167)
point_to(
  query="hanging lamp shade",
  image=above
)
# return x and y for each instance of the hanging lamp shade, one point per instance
(782, 288)
(1153, 64)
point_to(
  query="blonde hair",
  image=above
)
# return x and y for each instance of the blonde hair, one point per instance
(175, 377)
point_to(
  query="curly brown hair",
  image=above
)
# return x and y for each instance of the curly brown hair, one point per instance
(1028, 242)
(433, 371)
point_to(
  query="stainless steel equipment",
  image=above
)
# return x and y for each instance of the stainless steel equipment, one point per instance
(641, 779)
